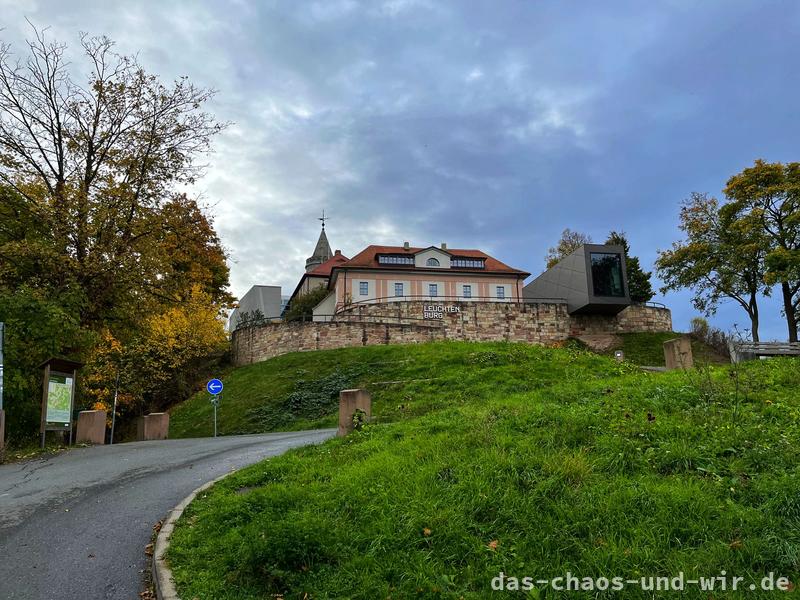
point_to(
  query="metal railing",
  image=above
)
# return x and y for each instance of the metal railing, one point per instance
(650, 304)
(464, 299)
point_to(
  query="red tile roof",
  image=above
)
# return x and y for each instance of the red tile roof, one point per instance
(324, 270)
(368, 258)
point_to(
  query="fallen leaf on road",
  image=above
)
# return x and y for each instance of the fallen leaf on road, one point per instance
(148, 549)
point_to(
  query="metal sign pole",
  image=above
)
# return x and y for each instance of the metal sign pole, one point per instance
(2, 344)
(2, 414)
(114, 410)
(214, 387)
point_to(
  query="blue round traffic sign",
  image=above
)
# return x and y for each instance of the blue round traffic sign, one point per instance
(214, 386)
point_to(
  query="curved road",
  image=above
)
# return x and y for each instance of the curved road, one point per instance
(75, 525)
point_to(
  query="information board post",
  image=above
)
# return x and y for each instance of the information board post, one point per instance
(2, 344)
(58, 395)
(214, 387)
(2, 414)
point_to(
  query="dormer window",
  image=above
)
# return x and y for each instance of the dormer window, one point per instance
(394, 259)
(468, 263)
(432, 262)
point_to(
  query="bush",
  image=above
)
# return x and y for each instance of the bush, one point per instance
(711, 336)
(302, 307)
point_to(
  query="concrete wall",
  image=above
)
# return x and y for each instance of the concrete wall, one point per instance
(325, 309)
(405, 323)
(266, 298)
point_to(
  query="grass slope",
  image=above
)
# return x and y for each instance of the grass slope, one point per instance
(519, 459)
(648, 349)
(300, 390)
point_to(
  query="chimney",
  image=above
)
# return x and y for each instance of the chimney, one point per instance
(444, 246)
(406, 245)
(337, 252)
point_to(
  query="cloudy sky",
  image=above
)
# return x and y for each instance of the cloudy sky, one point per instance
(489, 125)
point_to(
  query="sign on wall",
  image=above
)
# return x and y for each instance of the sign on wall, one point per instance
(437, 311)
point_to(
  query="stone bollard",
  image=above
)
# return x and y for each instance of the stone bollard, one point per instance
(91, 427)
(351, 401)
(154, 426)
(678, 354)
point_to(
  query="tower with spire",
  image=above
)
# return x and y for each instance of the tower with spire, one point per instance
(322, 251)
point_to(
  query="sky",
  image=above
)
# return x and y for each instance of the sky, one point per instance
(491, 125)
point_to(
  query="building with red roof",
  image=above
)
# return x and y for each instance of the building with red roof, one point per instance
(382, 274)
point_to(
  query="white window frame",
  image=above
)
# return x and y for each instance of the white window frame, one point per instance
(399, 285)
(466, 290)
(433, 287)
(362, 285)
(500, 292)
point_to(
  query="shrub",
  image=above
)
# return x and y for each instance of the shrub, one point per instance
(302, 307)
(711, 336)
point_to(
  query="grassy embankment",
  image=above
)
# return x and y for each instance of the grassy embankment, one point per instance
(299, 391)
(504, 457)
(648, 349)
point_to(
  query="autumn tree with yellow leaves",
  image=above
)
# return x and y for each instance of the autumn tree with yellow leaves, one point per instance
(103, 257)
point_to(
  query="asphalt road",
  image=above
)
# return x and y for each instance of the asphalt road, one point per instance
(75, 525)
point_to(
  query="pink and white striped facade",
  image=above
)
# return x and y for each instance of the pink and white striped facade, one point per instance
(381, 274)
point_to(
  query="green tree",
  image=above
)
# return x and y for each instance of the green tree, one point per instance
(723, 256)
(96, 165)
(769, 195)
(569, 242)
(97, 242)
(301, 307)
(639, 286)
(38, 326)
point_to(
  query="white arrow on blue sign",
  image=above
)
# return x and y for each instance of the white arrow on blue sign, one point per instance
(214, 386)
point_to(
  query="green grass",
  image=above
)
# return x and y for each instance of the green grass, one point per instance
(648, 349)
(562, 459)
(300, 390)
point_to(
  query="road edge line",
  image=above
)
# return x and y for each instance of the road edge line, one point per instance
(163, 582)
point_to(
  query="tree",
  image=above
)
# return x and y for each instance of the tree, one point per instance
(96, 166)
(172, 347)
(569, 242)
(723, 256)
(248, 319)
(639, 286)
(769, 193)
(99, 248)
(38, 326)
(302, 306)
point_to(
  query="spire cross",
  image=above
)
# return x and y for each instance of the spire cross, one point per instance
(323, 218)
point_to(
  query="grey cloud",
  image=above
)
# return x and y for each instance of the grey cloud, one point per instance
(477, 123)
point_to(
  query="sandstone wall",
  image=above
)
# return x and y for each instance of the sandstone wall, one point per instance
(417, 322)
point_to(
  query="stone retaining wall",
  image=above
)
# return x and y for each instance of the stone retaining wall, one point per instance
(406, 323)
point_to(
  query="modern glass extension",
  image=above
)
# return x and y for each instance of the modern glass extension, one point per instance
(607, 275)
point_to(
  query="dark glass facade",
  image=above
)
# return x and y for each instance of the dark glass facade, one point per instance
(607, 275)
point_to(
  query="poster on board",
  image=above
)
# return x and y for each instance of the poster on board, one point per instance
(59, 398)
